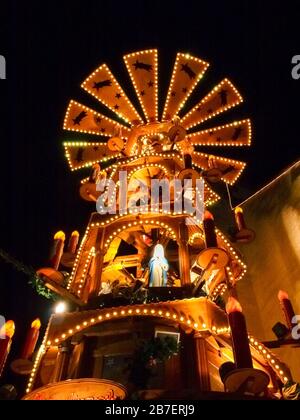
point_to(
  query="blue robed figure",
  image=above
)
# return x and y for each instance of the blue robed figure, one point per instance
(159, 267)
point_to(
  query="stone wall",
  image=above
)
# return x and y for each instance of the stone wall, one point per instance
(273, 259)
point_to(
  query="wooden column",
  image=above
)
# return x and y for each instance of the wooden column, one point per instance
(173, 373)
(183, 254)
(188, 361)
(98, 365)
(98, 264)
(98, 359)
(62, 362)
(87, 360)
(201, 363)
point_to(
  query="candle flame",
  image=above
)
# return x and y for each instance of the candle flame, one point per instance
(208, 215)
(36, 324)
(59, 235)
(233, 305)
(75, 233)
(8, 329)
(238, 210)
(282, 295)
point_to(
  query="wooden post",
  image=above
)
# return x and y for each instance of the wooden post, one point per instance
(188, 361)
(173, 373)
(62, 362)
(201, 363)
(98, 263)
(98, 365)
(184, 256)
(87, 360)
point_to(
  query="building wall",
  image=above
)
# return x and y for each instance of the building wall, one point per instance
(273, 259)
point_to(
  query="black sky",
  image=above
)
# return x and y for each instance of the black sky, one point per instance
(51, 46)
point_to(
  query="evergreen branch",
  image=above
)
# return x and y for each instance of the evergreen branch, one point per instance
(35, 280)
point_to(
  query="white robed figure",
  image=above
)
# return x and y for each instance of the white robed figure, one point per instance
(159, 267)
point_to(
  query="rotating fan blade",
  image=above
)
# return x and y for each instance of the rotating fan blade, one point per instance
(230, 169)
(221, 98)
(142, 67)
(103, 85)
(237, 133)
(83, 119)
(83, 154)
(187, 73)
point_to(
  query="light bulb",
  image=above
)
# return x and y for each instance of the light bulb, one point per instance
(60, 308)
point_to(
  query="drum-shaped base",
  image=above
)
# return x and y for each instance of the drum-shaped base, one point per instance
(176, 133)
(67, 259)
(51, 274)
(252, 381)
(88, 192)
(55, 280)
(217, 258)
(213, 175)
(22, 366)
(245, 236)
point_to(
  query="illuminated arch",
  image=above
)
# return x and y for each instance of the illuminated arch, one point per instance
(133, 225)
(167, 311)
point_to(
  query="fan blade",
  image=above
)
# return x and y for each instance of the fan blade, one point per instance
(187, 73)
(237, 133)
(142, 67)
(221, 98)
(83, 154)
(103, 85)
(85, 120)
(231, 169)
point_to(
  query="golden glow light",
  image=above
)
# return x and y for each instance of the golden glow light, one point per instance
(36, 324)
(8, 329)
(60, 308)
(60, 236)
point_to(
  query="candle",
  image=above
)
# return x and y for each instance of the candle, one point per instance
(31, 339)
(209, 230)
(212, 162)
(73, 242)
(187, 149)
(243, 234)
(95, 173)
(287, 308)
(7, 331)
(239, 218)
(187, 161)
(239, 335)
(58, 249)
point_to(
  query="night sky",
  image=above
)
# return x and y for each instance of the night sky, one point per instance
(52, 46)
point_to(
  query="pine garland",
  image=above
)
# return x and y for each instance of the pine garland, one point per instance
(158, 348)
(147, 354)
(35, 280)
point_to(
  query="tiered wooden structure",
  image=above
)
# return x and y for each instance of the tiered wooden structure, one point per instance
(114, 252)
